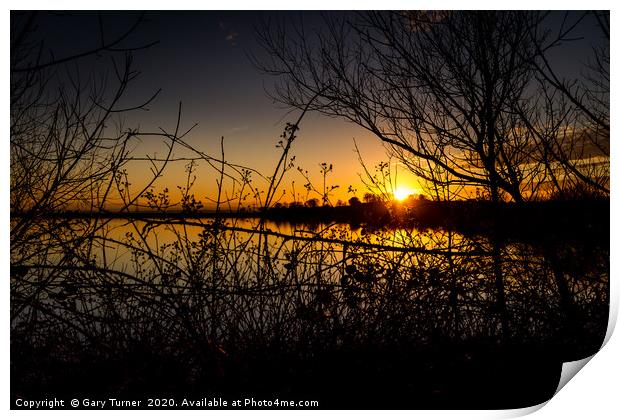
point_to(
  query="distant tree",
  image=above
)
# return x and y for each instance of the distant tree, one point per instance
(312, 203)
(371, 198)
(354, 201)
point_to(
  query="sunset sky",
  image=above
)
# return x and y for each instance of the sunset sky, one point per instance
(202, 59)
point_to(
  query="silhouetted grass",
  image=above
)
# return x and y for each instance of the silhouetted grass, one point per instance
(421, 319)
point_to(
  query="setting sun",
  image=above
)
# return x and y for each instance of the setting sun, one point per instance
(402, 192)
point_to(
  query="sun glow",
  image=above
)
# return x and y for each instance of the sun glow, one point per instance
(401, 193)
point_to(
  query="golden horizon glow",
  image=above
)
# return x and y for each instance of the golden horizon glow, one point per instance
(402, 192)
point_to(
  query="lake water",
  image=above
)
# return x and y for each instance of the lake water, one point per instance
(335, 237)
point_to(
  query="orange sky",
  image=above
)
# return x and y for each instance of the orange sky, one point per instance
(320, 139)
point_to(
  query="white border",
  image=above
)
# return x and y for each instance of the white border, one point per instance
(593, 394)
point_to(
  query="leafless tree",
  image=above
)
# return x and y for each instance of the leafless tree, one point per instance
(444, 91)
(69, 147)
(569, 118)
